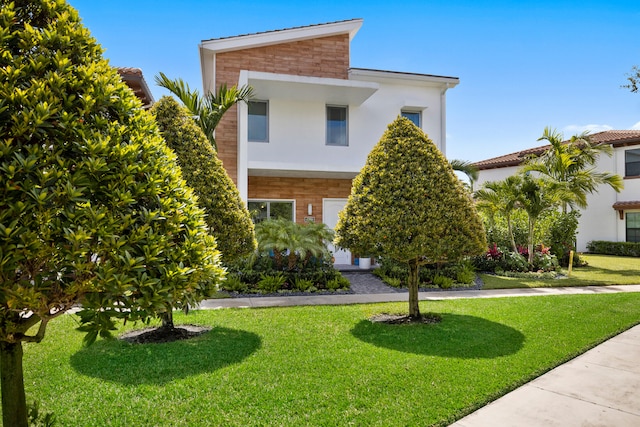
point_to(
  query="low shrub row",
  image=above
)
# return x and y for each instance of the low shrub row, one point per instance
(444, 276)
(614, 248)
(260, 274)
(497, 260)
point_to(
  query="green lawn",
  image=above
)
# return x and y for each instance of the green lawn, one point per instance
(320, 365)
(602, 270)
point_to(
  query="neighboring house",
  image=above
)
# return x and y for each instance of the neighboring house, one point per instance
(609, 216)
(295, 148)
(134, 79)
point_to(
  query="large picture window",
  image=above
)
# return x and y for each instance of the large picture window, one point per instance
(632, 162)
(633, 226)
(261, 210)
(258, 121)
(337, 126)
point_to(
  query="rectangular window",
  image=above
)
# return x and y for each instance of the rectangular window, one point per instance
(632, 162)
(270, 209)
(414, 116)
(337, 128)
(633, 226)
(258, 121)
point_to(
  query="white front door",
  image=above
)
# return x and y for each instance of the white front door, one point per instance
(330, 209)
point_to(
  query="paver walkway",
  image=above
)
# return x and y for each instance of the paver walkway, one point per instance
(599, 388)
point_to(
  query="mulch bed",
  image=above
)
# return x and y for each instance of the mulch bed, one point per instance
(403, 319)
(162, 335)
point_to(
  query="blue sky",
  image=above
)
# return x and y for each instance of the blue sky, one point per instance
(523, 65)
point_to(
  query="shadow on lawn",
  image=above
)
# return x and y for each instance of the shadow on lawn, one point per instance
(465, 337)
(133, 364)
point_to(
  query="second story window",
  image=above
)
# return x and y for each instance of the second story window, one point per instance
(337, 128)
(632, 162)
(258, 121)
(414, 116)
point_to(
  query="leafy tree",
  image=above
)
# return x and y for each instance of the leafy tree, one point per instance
(93, 208)
(227, 215)
(407, 204)
(634, 79)
(573, 163)
(208, 110)
(501, 197)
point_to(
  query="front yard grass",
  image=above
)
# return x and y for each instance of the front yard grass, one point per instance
(320, 365)
(602, 270)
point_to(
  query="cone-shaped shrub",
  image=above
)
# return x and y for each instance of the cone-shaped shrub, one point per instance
(407, 204)
(93, 208)
(227, 216)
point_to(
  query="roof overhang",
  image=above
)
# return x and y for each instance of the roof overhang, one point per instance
(623, 206)
(303, 88)
(249, 41)
(365, 74)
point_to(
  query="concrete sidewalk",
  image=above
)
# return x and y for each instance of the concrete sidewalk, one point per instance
(598, 388)
(339, 299)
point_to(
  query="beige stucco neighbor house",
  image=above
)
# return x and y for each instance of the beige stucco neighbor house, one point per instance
(295, 148)
(610, 216)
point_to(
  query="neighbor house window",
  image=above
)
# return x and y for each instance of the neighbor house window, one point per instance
(259, 121)
(633, 226)
(414, 116)
(632, 162)
(337, 128)
(270, 209)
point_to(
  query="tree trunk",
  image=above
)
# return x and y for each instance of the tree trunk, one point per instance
(530, 245)
(414, 308)
(513, 240)
(14, 403)
(167, 320)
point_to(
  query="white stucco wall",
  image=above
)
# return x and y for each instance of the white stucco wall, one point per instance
(297, 133)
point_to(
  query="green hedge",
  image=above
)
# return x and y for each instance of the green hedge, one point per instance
(614, 248)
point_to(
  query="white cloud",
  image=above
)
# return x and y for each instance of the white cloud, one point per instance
(574, 129)
(636, 126)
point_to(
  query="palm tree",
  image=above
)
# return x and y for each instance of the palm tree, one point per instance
(207, 110)
(466, 168)
(501, 197)
(573, 163)
(299, 242)
(538, 195)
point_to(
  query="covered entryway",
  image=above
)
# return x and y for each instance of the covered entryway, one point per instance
(330, 209)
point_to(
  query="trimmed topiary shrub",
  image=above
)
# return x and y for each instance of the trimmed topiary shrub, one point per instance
(408, 204)
(227, 215)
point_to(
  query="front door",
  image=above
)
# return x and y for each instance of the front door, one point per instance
(330, 209)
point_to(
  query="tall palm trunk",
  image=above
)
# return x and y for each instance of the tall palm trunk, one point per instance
(14, 403)
(530, 242)
(414, 307)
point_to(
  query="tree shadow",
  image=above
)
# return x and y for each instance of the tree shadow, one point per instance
(133, 364)
(458, 336)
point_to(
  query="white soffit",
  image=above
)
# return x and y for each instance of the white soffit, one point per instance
(398, 77)
(304, 88)
(267, 38)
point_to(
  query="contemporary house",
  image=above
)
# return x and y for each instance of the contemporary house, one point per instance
(294, 149)
(609, 216)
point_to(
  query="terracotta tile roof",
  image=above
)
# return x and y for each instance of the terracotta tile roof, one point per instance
(135, 80)
(282, 29)
(617, 138)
